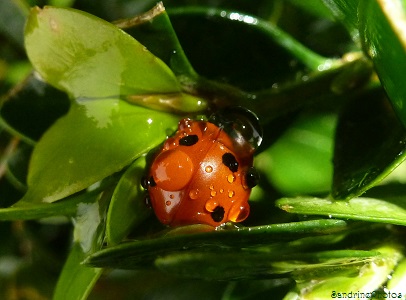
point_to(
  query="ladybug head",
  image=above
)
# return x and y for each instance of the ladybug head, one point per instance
(242, 125)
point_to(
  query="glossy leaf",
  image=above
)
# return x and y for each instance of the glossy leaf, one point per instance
(77, 280)
(101, 61)
(250, 264)
(383, 23)
(139, 253)
(370, 144)
(127, 208)
(299, 162)
(91, 142)
(32, 107)
(392, 211)
(31, 211)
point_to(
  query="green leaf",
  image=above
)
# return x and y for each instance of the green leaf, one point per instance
(369, 278)
(370, 143)
(251, 264)
(383, 23)
(31, 211)
(91, 142)
(305, 148)
(397, 281)
(132, 255)
(127, 208)
(392, 210)
(76, 280)
(89, 57)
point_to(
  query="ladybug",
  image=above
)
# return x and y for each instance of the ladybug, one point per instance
(203, 174)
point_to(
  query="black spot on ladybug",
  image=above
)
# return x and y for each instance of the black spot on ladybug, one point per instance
(251, 178)
(230, 162)
(189, 140)
(218, 214)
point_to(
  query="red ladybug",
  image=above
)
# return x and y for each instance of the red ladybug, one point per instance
(204, 174)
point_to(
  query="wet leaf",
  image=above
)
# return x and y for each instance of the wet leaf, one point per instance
(77, 280)
(29, 211)
(101, 61)
(250, 264)
(91, 142)
(132, 255)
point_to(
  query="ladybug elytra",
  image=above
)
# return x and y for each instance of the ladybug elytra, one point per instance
(203, 174)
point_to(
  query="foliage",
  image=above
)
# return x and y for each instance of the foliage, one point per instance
(87, 92)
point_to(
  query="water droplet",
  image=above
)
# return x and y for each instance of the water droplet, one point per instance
(194, 194)
(239, 213)
(211, 187)
(211, 205)
(171, 196)
(209, 169)
(230, 178)
(231, 194)
(221, 191)
(213, 193)
(168, 203)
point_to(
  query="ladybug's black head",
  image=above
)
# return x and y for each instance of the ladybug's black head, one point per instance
(241, 124)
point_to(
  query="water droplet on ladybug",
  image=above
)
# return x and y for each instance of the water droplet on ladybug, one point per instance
(168, 203)
(230, 178)
(231, 194)
(213, 193)
(172, 170)
(171, 196)
(208, 169)
(194, 194)
(239, 213)
(211, 205)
